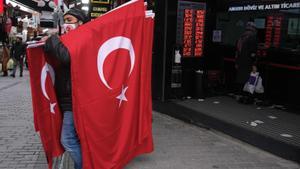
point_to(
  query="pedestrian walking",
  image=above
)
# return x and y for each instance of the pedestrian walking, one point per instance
(69, 139)
(5, 59)
(245, 54)
(18, 52)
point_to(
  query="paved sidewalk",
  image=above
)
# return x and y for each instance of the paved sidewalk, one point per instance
(177, 145)
(19, 144)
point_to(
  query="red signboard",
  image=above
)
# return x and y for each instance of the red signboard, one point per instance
(273, 31)
(188, 32)
(269, 28)
(199, 31)
(193, 32)
(277, 31)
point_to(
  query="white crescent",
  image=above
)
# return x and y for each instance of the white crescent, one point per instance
(46, 68)
(118, 42)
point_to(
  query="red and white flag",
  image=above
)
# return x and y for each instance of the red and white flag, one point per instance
(111, 86)
(47, 116)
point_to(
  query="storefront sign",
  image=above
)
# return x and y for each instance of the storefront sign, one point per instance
(262, 7)
(99, 7)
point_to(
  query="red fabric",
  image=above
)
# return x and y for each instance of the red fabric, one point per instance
(1, 6)
(56, 2)
(46, 122)
(112, 132)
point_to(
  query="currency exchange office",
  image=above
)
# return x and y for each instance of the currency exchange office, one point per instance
(206, 32)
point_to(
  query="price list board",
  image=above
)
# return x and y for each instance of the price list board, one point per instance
(277, 31)
(269, 29)
(188, 32)
(199, 33)
(190, 27)
(273, 31)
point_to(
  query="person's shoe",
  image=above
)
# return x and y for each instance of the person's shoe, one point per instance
(5, 73)
(21, 75)
(12, 75)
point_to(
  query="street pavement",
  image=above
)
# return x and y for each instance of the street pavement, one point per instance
(178, 145)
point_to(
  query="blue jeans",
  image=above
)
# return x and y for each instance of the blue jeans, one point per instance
(69, 139)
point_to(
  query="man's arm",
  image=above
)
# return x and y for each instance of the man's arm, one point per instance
(55, 47)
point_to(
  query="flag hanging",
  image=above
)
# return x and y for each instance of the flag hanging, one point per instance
(47, 116)
(111, 86)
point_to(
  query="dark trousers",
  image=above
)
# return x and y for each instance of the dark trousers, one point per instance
(16, 63)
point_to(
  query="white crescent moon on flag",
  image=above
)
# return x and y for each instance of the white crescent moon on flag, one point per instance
(46, 68)
(119, 42)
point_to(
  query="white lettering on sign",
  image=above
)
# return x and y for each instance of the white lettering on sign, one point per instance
(252, 7)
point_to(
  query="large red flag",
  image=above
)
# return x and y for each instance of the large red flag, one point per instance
(47, 116)
(111, 87)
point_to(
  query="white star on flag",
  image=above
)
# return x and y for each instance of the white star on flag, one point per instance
(52, 106)
(122, 96)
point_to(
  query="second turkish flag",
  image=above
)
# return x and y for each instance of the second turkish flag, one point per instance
(111, 76)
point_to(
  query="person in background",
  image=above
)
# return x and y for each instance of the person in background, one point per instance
(5, 59)
(245, 54)
(69, 138)
(18, 52)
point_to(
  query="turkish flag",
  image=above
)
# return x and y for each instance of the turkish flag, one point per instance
(111, 86)
(1, 6)
(47, 116)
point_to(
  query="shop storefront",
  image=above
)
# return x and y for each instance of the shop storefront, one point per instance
(278, 53)
(194, 68)
(196, 46)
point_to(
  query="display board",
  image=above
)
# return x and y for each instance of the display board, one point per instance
(99, 7)
(273, 31)
(190, 28)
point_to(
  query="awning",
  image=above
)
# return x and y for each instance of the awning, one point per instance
(32, 4)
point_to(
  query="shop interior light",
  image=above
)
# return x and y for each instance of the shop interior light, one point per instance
(85, 8)
(22, 7)
(85, 1)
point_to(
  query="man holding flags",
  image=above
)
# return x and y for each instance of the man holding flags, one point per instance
(110, 68)
(69, 139)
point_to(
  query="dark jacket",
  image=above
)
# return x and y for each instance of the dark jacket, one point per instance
(18, 50)
(246, 46)
(63, 76)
